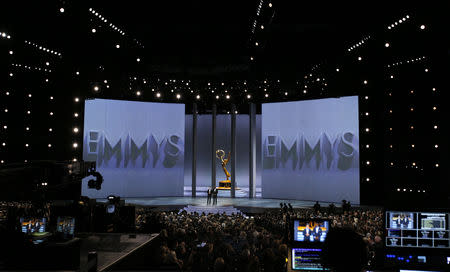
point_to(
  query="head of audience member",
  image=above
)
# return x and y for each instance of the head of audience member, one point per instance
(344, 250)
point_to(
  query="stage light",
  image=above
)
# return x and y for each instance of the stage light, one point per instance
(304, 91)
(256, 43)
(227, 96)
(29, 95)
(251, 58)
(61, 10)
(138, 60)
(413, 146)
(366, 97)
(392, 76)
(117, 46)
(285, 93)
(77, 99)
(266, 95)
(367, 129)
(2, 161)
(75, 130)
(434, 89)
(249, 96)
(337, 69)
(94, 30)
(435, 127)
(50, 129)
(434, 108)
(437, 165)
(6, 110)
(198, 97)
(26, 145)
(412, 109)
(158, 95)
(28, 112)
(27, 128)
(398, 189)
(365, 82)
(178, 96)
(262, 27)
(422, 27)
(392, 164)
(386, 45)
(138, 93)
(367, 146)
(51, 113)
(426, 70)
(436, 146)
(367, 114)
(74, 159)
(96, 88)
(390, 146)
(49, 145)
(359, 58)
(75, 145)
(75, 114)
(368, 162)
(414, 164)
(367, 179)
(11, 74)
(11, 52)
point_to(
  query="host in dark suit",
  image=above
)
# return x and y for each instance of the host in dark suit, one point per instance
(307, 233)
(317, 232)
(210, 191)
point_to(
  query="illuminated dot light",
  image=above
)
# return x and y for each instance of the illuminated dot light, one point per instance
(75, 145)
(75, 130)
(96, 88)
(61, 10)
(77, 99)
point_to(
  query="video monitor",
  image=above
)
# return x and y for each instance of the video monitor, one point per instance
(310, 231)
(417, 229)
(32, 225)
(66, 226)
(307, 259)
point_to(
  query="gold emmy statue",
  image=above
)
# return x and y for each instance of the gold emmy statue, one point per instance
(224, 184)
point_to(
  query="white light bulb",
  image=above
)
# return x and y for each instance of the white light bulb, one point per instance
(94, 30)
(75, 145)
(75, 129)
(61, 10)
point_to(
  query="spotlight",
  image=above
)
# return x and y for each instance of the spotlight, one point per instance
(75, 130)
(138, 59)
(77, 99)
(198, 96)
(178, 96)
(422, 27)
(96, 88)
(158, 95)
(94, 30)
(386, 45)
(117, 46)
(75, 114)
(75, 145)
(249, 96)
(61, 10)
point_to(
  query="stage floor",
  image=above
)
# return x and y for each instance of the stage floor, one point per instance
(224, 201)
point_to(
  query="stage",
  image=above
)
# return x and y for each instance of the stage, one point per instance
(170, 203)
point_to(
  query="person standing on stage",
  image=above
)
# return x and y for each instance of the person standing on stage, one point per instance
(210, 191)
(215, 192)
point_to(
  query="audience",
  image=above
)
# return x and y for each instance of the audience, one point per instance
(200, 242)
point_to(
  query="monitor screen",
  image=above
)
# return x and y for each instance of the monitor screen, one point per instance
(32, 225)
(66, 226)
(310, 230)
(307, 259)
(417, 229)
